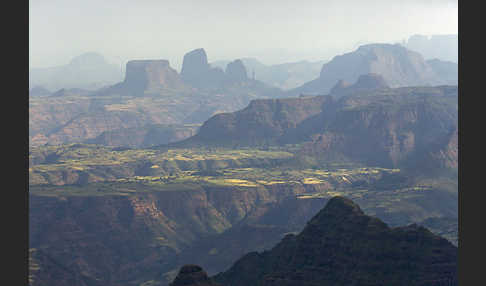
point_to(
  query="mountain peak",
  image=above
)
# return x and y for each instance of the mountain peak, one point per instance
(342, 205)
(191, 274)
(87, 59)
(194, 61)
(343, 246)
(197, 72)
(236, 71)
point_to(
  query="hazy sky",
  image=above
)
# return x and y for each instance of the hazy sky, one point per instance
(272, 31)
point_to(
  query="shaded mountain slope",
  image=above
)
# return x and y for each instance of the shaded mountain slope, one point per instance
(343, 246)
(375, 126)
(261, 122)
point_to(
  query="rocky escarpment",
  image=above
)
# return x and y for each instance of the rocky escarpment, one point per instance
(262, 122)
(343, 246)
(397, 65)
(440, 155)
(385, 127)
(384, 130)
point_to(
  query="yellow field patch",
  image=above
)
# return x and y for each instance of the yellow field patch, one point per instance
(310, 181)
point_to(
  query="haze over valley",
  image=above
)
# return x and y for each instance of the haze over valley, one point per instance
(224, 143)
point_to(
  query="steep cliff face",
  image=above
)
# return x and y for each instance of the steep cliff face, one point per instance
(398, 66)
(384, 130)
(262, 122)
(371, 124)
(197, 72)
(236, 71)
(343, 246)
(440, 155)
(150, 75)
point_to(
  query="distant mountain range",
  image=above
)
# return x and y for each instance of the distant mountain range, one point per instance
(397, 65)
(152, 92)
(284, 76)
(442, 47)
(341, 245)
(87, 71)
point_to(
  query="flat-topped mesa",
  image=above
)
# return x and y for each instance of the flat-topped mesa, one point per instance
(143, 75)
(236, 71)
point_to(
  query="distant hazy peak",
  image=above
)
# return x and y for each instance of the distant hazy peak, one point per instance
(236, 71)
(90, 58)
(195, 59)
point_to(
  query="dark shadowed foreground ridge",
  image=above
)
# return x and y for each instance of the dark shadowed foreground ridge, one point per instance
(343, 246)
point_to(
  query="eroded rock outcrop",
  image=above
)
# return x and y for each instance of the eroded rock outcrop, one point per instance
(236, 71)
(384, 126)
(147, 75)
(197, 72)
